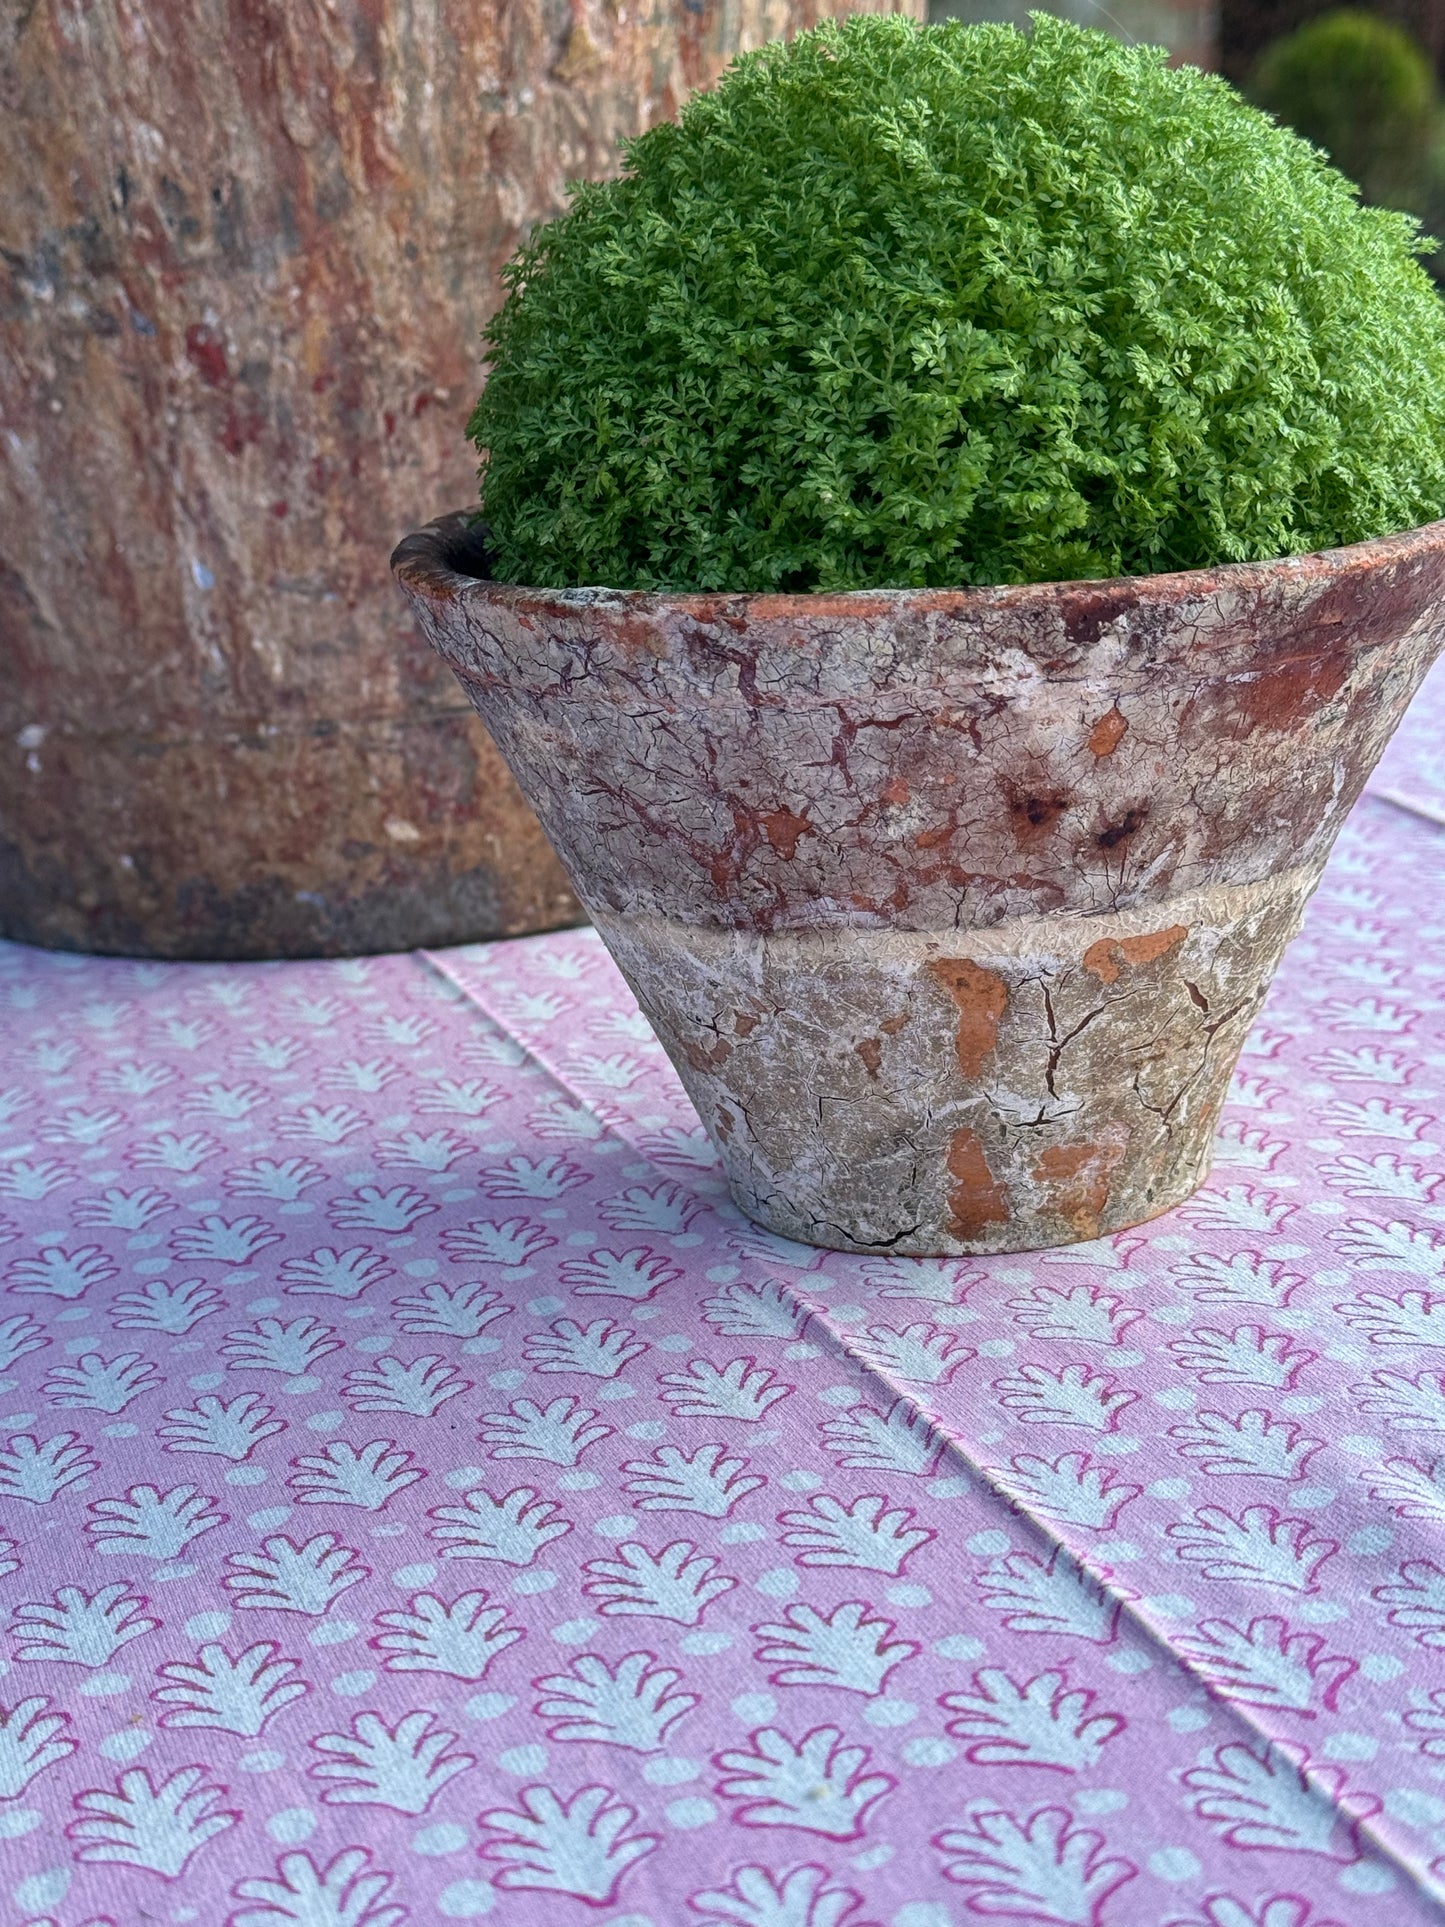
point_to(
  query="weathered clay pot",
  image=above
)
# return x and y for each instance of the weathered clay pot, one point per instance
(952, 908)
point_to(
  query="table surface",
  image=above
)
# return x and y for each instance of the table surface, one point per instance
(424, 1497)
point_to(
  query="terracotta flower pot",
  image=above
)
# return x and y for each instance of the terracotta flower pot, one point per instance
(951, 907)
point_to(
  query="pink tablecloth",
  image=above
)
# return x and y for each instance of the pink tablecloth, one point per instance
(424, 1498)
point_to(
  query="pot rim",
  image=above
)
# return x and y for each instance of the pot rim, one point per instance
(444, 560)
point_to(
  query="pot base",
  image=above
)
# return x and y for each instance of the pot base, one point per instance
(932, 1093)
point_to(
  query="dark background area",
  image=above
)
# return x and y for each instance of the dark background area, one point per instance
(1247, 26)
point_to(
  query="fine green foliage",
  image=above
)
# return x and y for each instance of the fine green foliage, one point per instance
(898, 306)
(1361, 89)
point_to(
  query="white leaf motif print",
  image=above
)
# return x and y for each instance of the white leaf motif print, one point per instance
(709, 1482)
(632, 1705)
(756, 1897)
(1039, 1867)
(846, 1648)
(461, 1639)
(19, 1337)
(664, 1209)
(1254, 1444)
(560, 1432)
(1416, 1602)
(755, 1311)
(512, 1244)
(293, 1350)
(343, 1475)
(152, 1524)
(58, 1273)
(817, 1784)
(419, 1389)
(1272, 1910)
(1405, 1404)
(1391, 1247)
(235, 1692)
(403, 1767)
(372, 1209)
(1267, 1664)
(32, 1739)
(305, 1895)
(1078, 1312)
(678, 1583)
(1070, 1488)
(1248, 1355)
(583, 1846)
(921, 1354)
(286, 1577)
(1051, 1596)
(100, 1384)
(226, 1431)
(1037, 1722)
(328, 1273)
(39, 1473)
(1414, 1318)
(512, 1530)
(898, 1440)
(1272, 1796)
(464, 1311)
(869, 1534)
(76, 1628)
(1258, 1546)
(1243, 1279)
(1074, 1395)
(172, 1309)
(637, 1274)
(601, 1350)
(157, 1825)
(741, 1390)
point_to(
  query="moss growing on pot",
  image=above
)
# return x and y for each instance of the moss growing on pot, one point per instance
(903, 306)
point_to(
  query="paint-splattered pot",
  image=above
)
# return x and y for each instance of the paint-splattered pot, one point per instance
(952, 908)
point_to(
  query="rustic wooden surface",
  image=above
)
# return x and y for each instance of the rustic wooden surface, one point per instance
(246, 250)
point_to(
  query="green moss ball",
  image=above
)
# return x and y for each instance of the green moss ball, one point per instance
(928, 306)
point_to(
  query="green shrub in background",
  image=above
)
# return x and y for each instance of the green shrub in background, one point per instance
(931, 306)
(1361, 89)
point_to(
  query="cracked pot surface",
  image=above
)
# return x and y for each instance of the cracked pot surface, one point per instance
(952, 908)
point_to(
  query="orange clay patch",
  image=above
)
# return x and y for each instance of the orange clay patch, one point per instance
(982, 998)
(976, 1199)
(1106, 958)
(1107, 734)
(1078, 1176)
(783, 829)
(871, 1051)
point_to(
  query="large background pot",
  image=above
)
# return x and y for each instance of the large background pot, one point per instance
(245, 256)
(952, 908)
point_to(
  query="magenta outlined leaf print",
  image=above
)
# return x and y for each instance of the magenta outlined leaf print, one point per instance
(39, 1473)
(293, 1350)
(19, 1337)
(1274, 1910)
(1250, 1445)
(583, 1846)
(678, 1583)
(665, 1210)
(1396, 1246)
(1075, 1395)
(372, 1209)
(58, 1273)
(741, 1390)
(559, 1432)
(224, 1241)
(342, 1894)
(430, 1636)
(513, 1244)
(600, 1350)
(150, 1524)
(286, 1577)
(519, 1177)
(234, 1692)
(1247, 1355)
(461, 1311)
(1272, 1796)
(172, 1309)
(755, 1897)
(98, 1384)
(1412, 1489)
(121, 1210)
(1244, 1278)
(513, 1529)
(1416, 1601)
(1405, 1404)
(342, 1474)
(77, 1628)
(1081, 1313)
(869, 1534)
(420, 1388)
(1265, 1663)
(157, 1825)
(32, 1739)
(745, 1310)
(227, 1431)
(631, 1704)
(283, 1183)
(403, 1767)
(1038, 1867)
(1035, 1722)
(1052, 1596)
(1070, 1488)
(1258, 1546)
(921, 1354)
(709, 1482)
(637, 1274)
(329, 1273)
(900, 1440)
(847, 1648)
(817, 1784)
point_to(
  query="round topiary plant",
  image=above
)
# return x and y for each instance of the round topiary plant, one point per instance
(1361, 89)
(900, 306)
